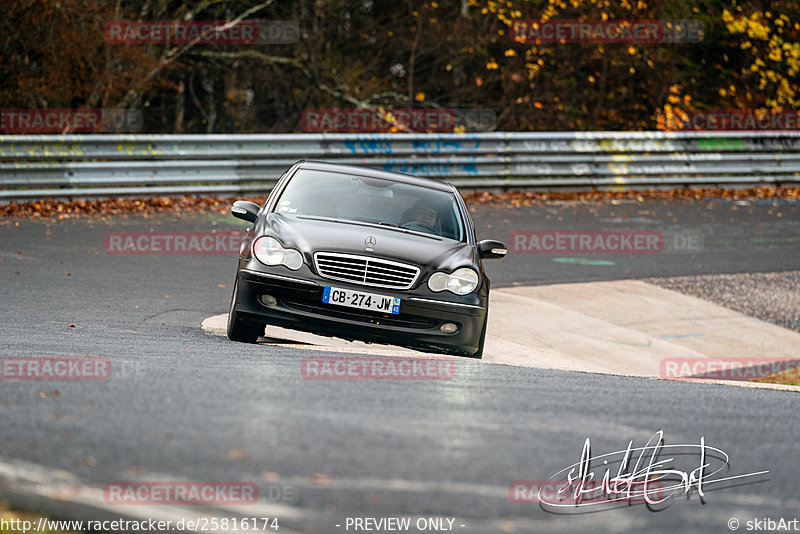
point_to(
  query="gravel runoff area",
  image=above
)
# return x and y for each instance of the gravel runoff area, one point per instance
(770, 297)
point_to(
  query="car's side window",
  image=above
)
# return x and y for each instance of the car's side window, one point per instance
(280, 184)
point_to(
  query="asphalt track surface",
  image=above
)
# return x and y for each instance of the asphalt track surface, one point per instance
(183, 405)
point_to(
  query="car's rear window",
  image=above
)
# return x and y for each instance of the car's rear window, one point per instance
(372, 200)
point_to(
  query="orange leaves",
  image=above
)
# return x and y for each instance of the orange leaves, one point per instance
(529, 198)
(771, 43)
(59, 59)
(107, 208)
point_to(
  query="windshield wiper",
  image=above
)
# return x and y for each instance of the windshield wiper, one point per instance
(317, 218)
(393, 225)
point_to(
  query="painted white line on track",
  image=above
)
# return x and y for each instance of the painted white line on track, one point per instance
(623, 327)
(38, 484)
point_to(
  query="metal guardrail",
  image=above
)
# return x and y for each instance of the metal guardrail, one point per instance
(113, 165)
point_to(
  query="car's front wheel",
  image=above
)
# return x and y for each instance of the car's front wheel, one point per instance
(240, 329)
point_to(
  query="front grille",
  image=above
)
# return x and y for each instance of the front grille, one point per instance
(365, 270)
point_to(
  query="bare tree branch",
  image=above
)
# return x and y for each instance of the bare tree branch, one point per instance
(174, 53)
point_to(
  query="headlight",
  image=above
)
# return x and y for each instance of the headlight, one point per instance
(460, 282)
(269, 251)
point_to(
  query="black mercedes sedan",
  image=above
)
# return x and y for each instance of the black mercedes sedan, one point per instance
(365, 254)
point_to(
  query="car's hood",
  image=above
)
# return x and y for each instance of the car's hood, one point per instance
(314, 235)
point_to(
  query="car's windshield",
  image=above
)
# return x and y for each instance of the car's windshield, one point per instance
(372, 200)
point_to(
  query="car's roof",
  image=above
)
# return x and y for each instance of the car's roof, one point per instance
(375, 173)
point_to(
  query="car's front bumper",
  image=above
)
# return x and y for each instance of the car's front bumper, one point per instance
(299, 306)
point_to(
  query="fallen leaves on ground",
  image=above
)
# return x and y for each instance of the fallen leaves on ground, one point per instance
(55, 209)
(136, 470)
(320, 479)
(789, 377)
(270, 476)
(528, 198)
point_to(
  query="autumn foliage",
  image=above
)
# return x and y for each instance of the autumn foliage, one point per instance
(385, 54)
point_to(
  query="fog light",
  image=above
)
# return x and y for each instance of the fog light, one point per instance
(268, 300)
(448, 328)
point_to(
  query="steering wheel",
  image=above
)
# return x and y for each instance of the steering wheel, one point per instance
(419, 227)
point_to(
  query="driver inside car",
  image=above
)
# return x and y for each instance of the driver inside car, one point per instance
(423, 217)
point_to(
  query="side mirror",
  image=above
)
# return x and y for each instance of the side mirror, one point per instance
(489, 248)
(247, 211)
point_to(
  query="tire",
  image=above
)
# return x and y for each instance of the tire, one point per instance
(238, 328)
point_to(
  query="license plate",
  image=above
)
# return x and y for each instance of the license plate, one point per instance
(361, 300)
